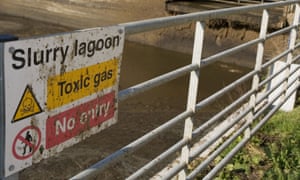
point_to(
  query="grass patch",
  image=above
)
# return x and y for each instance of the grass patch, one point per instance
(274, 153)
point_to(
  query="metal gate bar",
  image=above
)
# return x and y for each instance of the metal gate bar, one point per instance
(254, 103)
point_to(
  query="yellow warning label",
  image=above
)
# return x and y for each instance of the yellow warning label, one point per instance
(68, 87)
(28, 106)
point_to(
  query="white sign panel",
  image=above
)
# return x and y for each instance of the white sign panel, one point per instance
(58, 91)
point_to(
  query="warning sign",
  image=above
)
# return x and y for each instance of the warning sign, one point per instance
(28, 106)
(59, 90)
(71, 123)
(26, 142)
(70, 86)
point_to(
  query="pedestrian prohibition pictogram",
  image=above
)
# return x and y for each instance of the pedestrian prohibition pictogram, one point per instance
(28, 106)
(26, 142)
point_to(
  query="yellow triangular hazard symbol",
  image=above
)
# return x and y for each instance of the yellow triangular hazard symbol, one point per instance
(28, 106)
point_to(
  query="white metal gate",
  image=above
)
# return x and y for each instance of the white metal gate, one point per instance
(255, 106)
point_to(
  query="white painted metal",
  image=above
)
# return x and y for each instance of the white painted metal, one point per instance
(242, 143)
(280, 79)
(135, 145)
(229, 124)
(258, 67)
(192, 93)
(292, 43)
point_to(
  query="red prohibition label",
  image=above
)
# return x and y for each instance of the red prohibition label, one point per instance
(25, 144)
(71, 123)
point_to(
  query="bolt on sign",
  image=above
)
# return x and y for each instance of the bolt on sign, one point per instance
(58, 90)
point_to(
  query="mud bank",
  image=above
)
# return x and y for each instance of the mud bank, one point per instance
(79, 14)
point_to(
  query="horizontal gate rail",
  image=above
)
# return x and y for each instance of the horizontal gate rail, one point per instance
(266, 94)
(219, 134)
(241, 144)
(253, 108)
(232, 138)
(147, 85)
(159, 158)
(222, 147)
(130, 148)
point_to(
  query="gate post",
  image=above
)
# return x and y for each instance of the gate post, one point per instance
(192, 93)
(291, 47)
(3, 38)
(258, 66)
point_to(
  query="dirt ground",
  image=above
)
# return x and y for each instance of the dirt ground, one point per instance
(69, 15)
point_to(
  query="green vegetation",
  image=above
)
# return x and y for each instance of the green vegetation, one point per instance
(274, 153)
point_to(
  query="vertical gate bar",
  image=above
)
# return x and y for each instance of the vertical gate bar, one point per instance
(258, 66)
(291, 46)
(192, 92)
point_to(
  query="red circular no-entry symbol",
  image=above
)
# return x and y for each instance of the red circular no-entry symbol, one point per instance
(26, 142)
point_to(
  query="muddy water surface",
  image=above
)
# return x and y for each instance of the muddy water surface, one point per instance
(141, 62)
